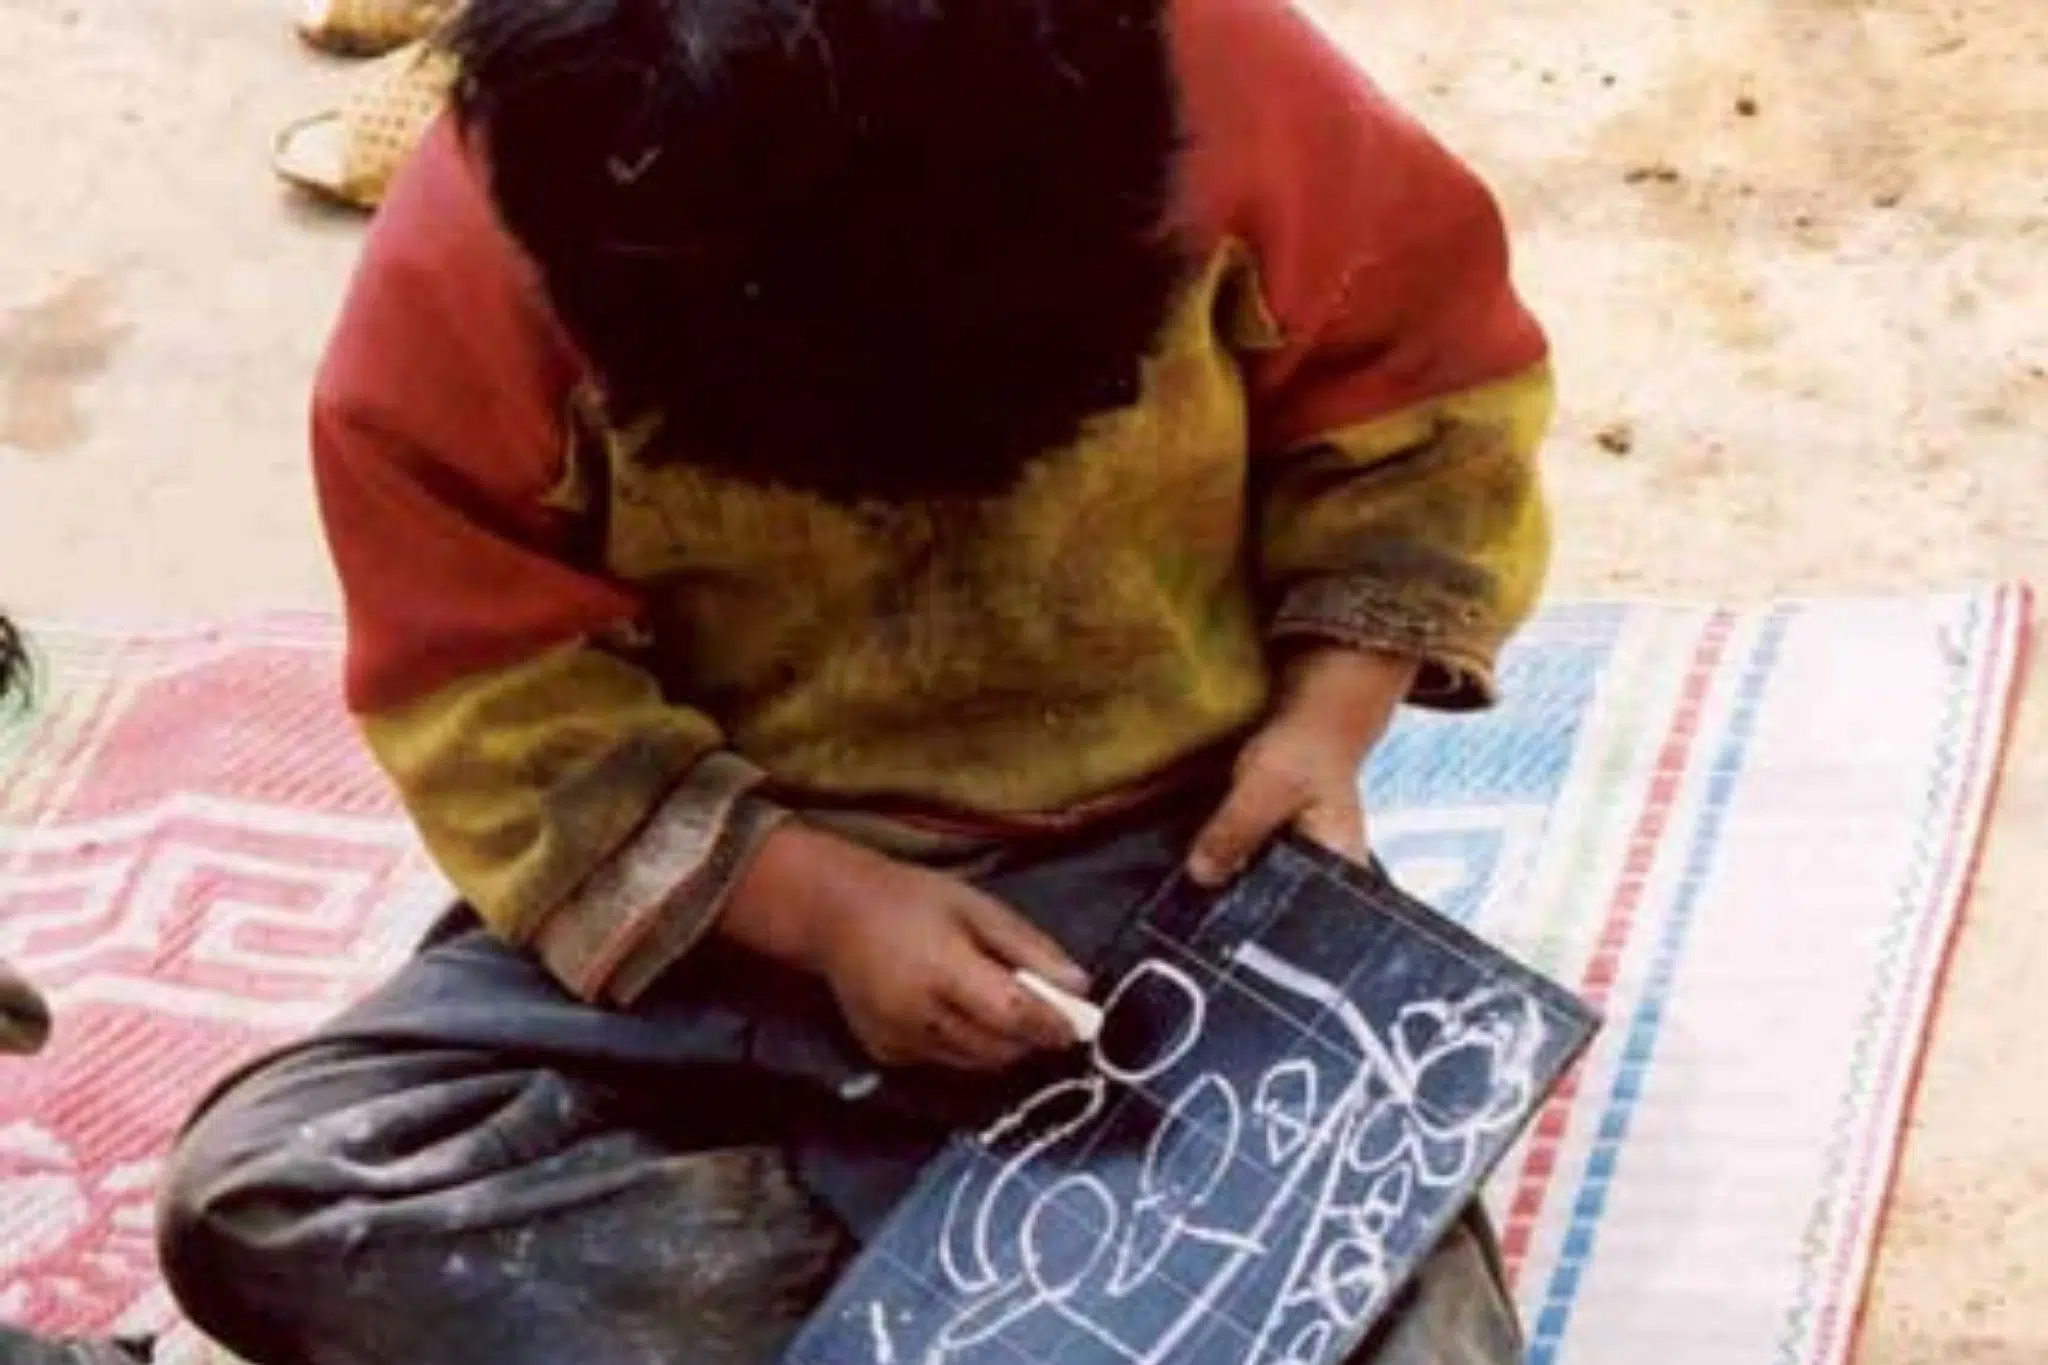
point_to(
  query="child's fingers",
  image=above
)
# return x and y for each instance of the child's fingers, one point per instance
(1017, 942)
(983, 990)
(971, 1046)
(1338, 826)
(1261, 801)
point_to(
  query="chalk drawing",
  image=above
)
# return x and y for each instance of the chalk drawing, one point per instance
(878, 1326)
(1351, 1133)
(1292, 1095)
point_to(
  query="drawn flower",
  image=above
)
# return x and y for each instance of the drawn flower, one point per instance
(1472, 1062)
(1469, 1065)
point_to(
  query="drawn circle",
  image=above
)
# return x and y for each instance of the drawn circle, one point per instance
(1150, 1021)
(1054, 1237)
(1193, 1146)
(1350, 1279)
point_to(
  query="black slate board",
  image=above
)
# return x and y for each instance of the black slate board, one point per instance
(1301, 1084)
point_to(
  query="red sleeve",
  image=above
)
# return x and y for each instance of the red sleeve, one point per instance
(1381, 258)
(438, 429)
(581, 813)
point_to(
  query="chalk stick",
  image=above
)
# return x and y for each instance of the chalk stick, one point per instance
(1082, 1016)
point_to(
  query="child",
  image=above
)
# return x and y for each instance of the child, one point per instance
(24, 1029)
(24, 1016)
(835, 501)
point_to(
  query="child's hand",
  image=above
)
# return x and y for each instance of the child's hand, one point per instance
(1302, 767)
(924, 974)
(921, 963)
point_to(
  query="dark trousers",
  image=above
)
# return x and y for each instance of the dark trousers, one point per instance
(472, 1168)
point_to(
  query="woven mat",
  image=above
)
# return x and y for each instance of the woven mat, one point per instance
(1745, 834)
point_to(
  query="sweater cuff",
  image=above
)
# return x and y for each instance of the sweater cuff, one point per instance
(1456, 639)
(650, 902)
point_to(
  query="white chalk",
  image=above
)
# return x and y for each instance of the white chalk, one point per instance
(1082, 1016)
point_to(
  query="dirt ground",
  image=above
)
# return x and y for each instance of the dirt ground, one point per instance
(1794, 254)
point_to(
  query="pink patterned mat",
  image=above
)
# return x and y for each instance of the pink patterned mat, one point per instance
(196, 859)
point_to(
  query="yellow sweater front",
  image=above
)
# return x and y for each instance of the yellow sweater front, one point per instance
(596, 679)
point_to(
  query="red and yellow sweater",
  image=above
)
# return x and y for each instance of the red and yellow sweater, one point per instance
(597, 683)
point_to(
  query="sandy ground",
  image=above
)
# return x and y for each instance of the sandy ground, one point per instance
(1794, 253)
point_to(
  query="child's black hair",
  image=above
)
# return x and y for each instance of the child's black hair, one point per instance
(874, 248)
(14, 662)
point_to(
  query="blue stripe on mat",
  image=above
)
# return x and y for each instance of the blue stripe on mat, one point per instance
(1590, 1204)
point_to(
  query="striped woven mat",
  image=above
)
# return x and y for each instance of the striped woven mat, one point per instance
(1746, 835)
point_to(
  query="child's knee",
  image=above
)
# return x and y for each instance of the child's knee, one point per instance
(212, 1243)
(1457, 1311)
(257, 1198)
